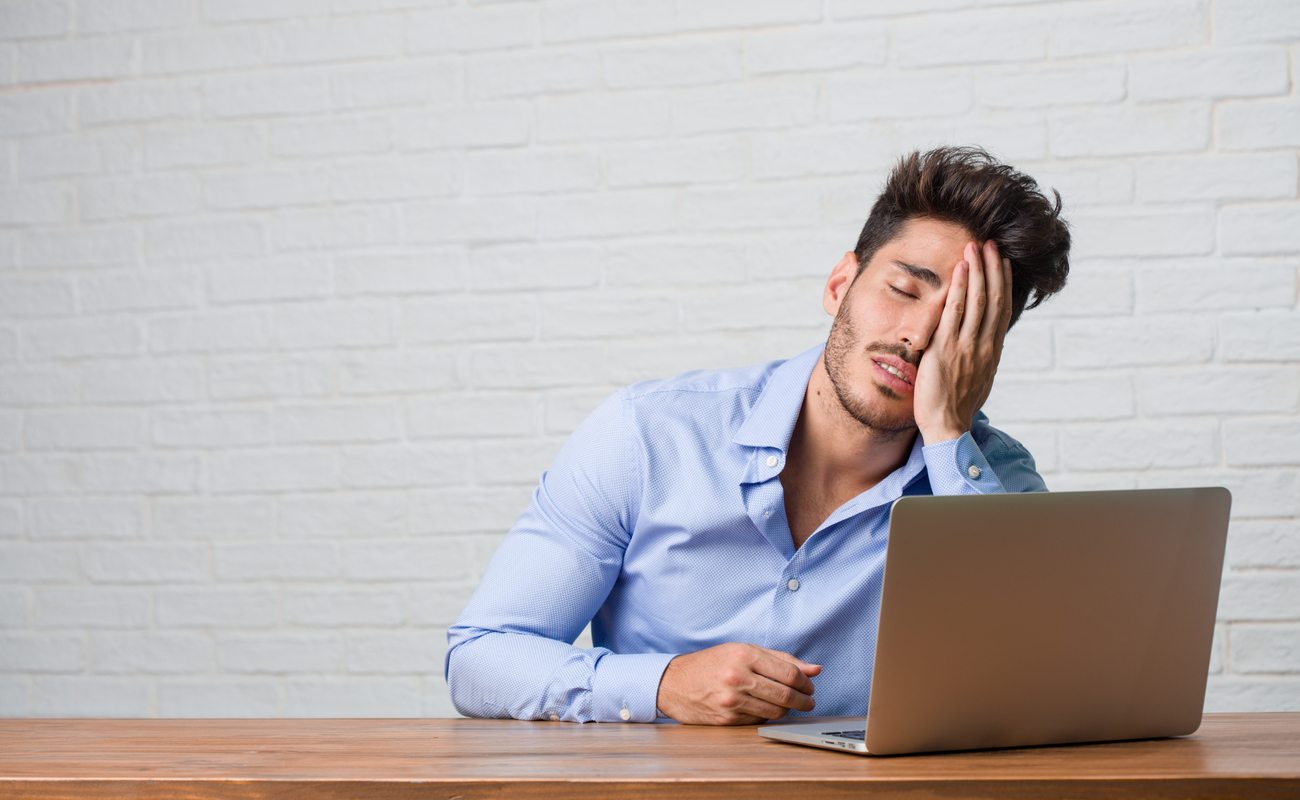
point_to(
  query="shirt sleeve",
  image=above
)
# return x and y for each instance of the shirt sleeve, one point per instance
(995, 464)
(511, 653)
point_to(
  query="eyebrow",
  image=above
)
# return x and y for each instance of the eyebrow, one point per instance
(922, 274)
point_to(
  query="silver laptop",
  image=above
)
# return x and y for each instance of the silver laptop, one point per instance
(1045, 618)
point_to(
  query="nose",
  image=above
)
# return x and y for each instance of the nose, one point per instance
(918, 327)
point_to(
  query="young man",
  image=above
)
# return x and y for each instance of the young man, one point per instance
(724, 531)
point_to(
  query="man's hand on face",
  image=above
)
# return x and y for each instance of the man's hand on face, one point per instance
(956, 371)
(735, 684)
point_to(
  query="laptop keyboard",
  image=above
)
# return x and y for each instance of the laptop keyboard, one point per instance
(861, 735)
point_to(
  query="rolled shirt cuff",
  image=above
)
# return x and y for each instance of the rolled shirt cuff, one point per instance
(626, 686)
(958, 466)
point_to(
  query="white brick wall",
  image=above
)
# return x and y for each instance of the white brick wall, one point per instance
(297, 299)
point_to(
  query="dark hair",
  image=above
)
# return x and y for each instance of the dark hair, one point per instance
(967, 186)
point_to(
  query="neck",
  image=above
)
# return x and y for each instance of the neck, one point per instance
(832, 448)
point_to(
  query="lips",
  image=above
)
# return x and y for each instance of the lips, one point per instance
(897, 372)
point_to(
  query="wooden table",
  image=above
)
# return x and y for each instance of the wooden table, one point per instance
(1232, 755)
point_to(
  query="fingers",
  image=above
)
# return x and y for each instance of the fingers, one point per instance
(806, 667)
(976, 295)
(954, 307)
(998, 291)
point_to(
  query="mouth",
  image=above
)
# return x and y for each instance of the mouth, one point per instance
(898, 375)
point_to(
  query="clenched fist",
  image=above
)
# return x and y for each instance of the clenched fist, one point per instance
(735, 684)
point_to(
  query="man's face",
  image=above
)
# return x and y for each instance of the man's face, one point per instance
(884, 320)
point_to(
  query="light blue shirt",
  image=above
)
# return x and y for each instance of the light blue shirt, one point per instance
(662, 522)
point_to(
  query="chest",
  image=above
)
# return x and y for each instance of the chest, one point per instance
(807, 506)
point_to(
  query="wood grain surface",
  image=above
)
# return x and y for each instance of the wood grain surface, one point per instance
(1232, 755)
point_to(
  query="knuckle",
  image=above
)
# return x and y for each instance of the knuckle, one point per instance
(731, 677)
(729, 700)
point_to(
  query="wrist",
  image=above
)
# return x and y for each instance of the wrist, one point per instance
(941, 433)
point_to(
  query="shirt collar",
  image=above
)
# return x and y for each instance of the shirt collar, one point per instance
(771, 421)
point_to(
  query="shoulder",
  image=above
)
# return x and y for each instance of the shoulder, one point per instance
(702, 381)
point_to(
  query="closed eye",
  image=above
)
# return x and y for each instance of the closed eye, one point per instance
(897, 290)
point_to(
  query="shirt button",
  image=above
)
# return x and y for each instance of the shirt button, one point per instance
(792, 585)
(974, 471)
(625, 715)
(555, 717)
(771, 461)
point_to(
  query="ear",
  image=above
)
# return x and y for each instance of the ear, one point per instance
(837, 285)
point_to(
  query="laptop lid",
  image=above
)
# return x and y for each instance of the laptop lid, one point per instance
(1012, 620)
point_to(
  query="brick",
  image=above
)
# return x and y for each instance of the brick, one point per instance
(611, 213)
(10, 430)
(815, 48)
(280, 653)
(443, 559)
(678, 261)
(536, 366)
(1260, 229)
(408, 84)
(394, 466)
(1261, 336)
(11, 527)
(494, 219)
(1164, 128)
(217, 428)
(257, 10)
(775, 103)
(1264, 543)
(139, 291)
(1240, 72)
(15, 697)
(332, 40)
(305, 326)
(342, 515)
(1177, 179)
(690, 161)
(1135, 231)
(1217, 284)
(1218, 390)
(671, 64)
(416, 651)
(529, 74)
(327, 138)
(278, 471)
(35, 298)
(215, 697)
(1017, 88)
(269, 94)
(136, 102)
(1118, 26)
(92, 607)
(849, 9)
(42, 204)
(398, 372)
(84, 429)
(93, 518)
(38, 563)
(200, 51)
(1258, 442)
(74, 60)
(206, 238)
(1257, 124)
(1015, 34)
(1260, 596)
(608, 316)
(353, 696)
(434, 271)
(583, 20)
(460, 510)
(589, 116)
(264, 378)
(282, 561)
(632, 361)
(337, 422)
(118, 16)
(331, 608)
(388, 179)
(1068, 399)
(833, 153)
(747, 13)
(1149, 341)
(1019, 140)
(35, 113)
(81, 338)
(767, 306)
(210, 144)
(1138, 445)
(266, 188)
(239, 607)
(15, 607)
(334, 229)
(41, 652)
(1092, 291)
(1087, 183)
(89, 696)
(150, 381)
(481, 28)
(474, 415)
(1255, 493)
(35, 19)
(1266, 648)
(512, 463)
(1253, 21)
(891, 96)
(497, 172)
(462, 319)
(277, 278)
(150, 563)
(213, 518)
(479, 125)
(210, 331)
(36, 386)
(79, 247)
(141, 473)
(771, 206)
